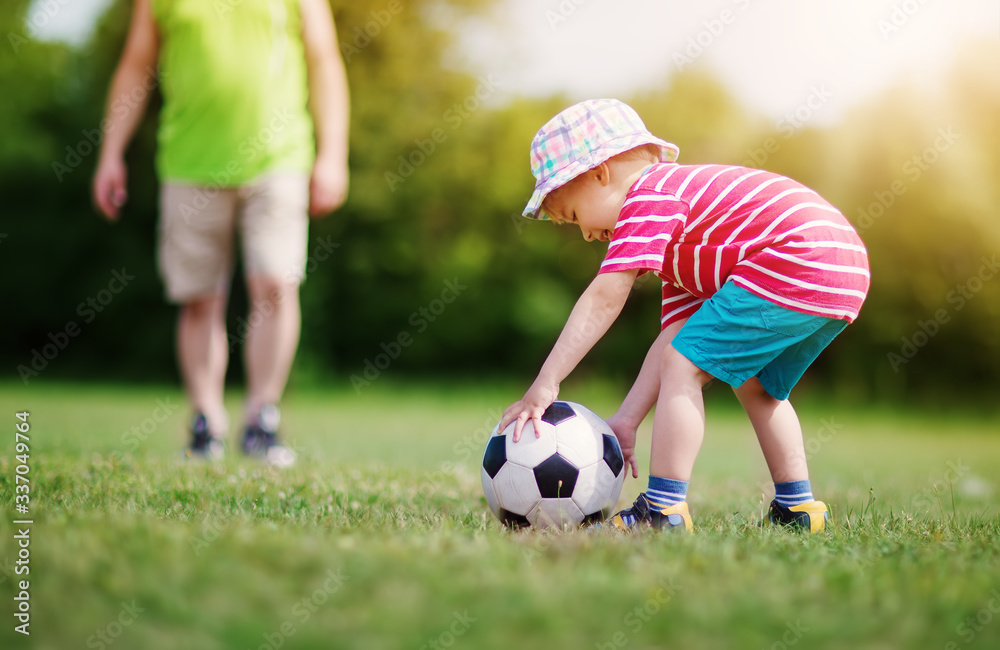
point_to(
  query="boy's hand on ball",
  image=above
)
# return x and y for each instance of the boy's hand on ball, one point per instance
(530, 407)
(625, 432)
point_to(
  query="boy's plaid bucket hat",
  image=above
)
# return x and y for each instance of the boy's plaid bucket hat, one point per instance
(582, 137)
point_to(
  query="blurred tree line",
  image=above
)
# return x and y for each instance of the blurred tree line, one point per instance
(429, 270)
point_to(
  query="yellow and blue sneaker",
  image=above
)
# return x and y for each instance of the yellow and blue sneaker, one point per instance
(645, 513)
(811, 515)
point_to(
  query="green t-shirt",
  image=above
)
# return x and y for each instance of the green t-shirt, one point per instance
(235, 89)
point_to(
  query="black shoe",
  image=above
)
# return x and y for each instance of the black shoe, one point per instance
(260, 439)
(203, 444)
(810, 516)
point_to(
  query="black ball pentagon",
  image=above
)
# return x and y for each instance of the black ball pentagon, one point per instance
(558, 412)
(613, 454)
(496, 455)
(556, 477)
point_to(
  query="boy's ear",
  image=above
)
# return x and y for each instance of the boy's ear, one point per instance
(602, 173)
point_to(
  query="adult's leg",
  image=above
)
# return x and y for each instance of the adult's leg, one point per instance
(203, 354)
(274, 323)
(275, 227)
(195, 261)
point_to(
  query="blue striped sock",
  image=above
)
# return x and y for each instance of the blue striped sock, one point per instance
(663, 492)
(793, 493)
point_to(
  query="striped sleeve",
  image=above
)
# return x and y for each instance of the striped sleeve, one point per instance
(677, 304)
(647, 224)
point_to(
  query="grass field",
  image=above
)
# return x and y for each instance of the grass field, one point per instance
(380, 537)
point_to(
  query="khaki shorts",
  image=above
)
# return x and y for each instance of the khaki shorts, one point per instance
(198, 226)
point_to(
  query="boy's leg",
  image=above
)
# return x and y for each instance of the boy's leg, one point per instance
(678, 430)
(679, 421)
(777, 426)
(778, 431)
(780, 436)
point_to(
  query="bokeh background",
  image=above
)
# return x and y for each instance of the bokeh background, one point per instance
(889, 109)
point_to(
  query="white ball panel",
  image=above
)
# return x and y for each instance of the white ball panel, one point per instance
(490, 492)
(516, 489)
(529, 450)
(597, 488)
(586, 486)
(599, 425)
(578, 443)
(558, 513)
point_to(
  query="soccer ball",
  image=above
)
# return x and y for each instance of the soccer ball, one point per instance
(570, 475)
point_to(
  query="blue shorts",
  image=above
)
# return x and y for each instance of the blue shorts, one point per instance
(736, 335)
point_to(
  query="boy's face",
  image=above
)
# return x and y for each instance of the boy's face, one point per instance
(590, 201)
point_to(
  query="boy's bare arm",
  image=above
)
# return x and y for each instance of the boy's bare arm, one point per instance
(329, 105)
(593, 314)
(136, 66)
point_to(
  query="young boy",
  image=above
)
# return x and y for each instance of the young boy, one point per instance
(759, 275)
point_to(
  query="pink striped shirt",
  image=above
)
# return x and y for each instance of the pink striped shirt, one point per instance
(698, 226)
